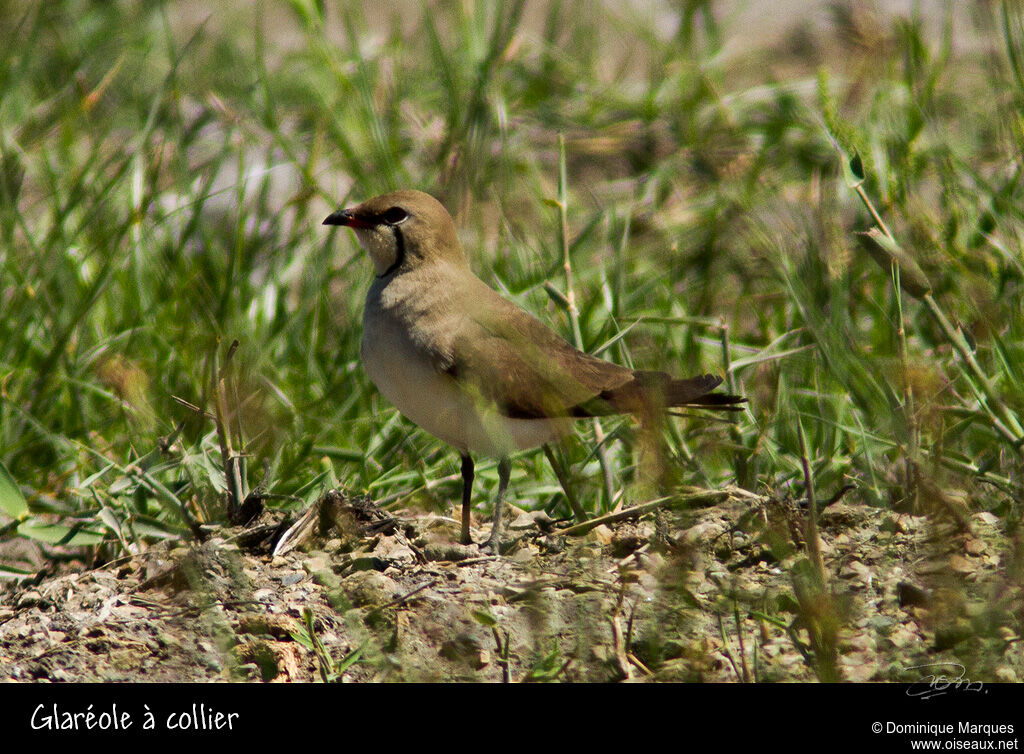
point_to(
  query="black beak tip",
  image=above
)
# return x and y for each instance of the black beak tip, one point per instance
(336, 218)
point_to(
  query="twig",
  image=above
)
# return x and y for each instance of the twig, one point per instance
(910, 412)
(1004, 420)
(739, 637)
(232, 471)
(574, 312)
(192, 407)
(725, 648)
(701, 498)
(740, 457)
(621, 658)
(324, 663)
(403, 598)
(811, 534)
(503, 653)
(474, 561)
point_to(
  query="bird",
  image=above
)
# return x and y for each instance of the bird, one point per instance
(469, 366)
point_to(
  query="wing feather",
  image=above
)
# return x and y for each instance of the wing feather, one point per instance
(516, 362)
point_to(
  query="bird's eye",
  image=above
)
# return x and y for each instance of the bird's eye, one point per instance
(395, 215)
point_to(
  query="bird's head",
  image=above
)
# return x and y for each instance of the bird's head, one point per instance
(402, 229)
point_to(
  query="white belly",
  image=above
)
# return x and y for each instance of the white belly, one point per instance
(436, 402)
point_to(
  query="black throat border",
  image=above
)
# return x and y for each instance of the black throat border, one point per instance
(399, 253)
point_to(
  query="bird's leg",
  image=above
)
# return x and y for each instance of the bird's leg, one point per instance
(467, 494)
(493, 542)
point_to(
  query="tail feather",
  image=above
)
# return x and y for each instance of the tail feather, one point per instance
(696, 391)
(652, 391)
(717, 402)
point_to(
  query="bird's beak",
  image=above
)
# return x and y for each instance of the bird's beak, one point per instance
(348, 218)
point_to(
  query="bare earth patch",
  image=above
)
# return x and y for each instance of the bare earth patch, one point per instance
(695, 595)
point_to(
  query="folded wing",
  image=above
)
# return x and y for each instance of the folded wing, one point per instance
(519, 364)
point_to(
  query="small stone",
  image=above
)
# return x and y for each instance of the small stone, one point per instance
(466, 648)
(290, 579)
(523, 522)
(910, 595)
(1005, 674)
(705, 531)
(524, 554)
(552, 544)
(947, 637)
(278, 626)
(858, 667)
(391, 550)
(930, 567)
(960, 564)
(326, 578)
(369, 588)
(902, 637)
(368, 563)
(975, 546)
(316, 563)
(625, 541)
(32, 598)
(452, 551)
(854, 569)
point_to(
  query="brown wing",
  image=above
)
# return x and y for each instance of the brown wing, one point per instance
(515, 361)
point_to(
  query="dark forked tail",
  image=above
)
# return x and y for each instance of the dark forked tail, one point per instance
(657, 391)
(696, 391)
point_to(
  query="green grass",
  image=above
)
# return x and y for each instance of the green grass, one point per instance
(163, 175)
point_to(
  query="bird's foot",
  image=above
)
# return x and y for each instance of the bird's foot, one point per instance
(494, 544)
(491, 546)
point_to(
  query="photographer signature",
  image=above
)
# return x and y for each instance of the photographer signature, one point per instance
(934, 684)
